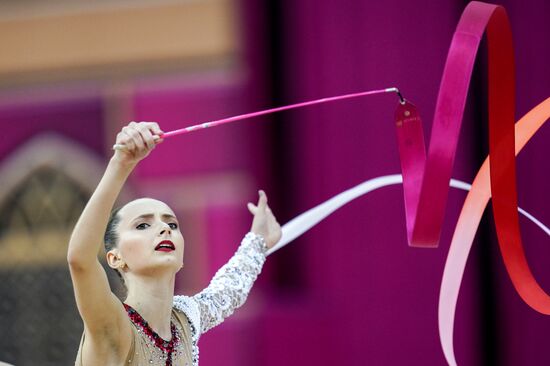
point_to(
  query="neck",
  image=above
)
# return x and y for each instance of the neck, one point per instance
(152, 297)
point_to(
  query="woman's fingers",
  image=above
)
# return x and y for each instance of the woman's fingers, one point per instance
(135, 137)
(252, 208)
(264, 222)
(151, 133)
(134, 129)
(146, 136)
(136, 140)
(262, 201)
(126, 140)
(139, 137)
(155, 128)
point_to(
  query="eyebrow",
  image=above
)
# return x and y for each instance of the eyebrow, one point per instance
(150, 216)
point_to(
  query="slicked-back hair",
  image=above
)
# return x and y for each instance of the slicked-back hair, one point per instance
(110, 238)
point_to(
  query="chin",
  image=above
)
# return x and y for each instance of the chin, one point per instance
(174, 264)
(166, 264)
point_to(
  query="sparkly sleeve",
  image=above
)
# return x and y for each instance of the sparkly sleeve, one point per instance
(230, 286)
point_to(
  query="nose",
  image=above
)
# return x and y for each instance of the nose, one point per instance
(165, 229)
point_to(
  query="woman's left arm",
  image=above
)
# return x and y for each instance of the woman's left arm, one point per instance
(231, 284)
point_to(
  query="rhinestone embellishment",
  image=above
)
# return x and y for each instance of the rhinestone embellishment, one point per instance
(167, 348)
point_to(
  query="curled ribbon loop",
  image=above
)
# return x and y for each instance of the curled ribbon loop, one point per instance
(426, 179)
(426, 224)
(463, 238)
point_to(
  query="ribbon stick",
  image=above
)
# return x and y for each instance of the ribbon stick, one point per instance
(219, 122)
(280, 109)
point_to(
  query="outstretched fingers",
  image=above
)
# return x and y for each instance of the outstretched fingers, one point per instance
(252, 208)
(262, 201)
(261, 207)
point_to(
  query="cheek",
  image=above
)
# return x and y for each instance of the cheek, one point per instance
(133, 247)
(182, 243)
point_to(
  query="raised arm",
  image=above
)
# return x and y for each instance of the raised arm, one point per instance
(102, 313)
(230, 286)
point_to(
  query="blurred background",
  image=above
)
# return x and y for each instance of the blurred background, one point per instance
(350, 291)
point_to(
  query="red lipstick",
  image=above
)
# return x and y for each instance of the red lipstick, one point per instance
(165, 246)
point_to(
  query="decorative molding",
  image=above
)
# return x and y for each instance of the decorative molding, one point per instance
(50, 150)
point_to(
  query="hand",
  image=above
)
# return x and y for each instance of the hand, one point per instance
(264, 223)
(135, 141)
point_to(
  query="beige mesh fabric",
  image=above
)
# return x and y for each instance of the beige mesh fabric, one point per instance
(140, 350)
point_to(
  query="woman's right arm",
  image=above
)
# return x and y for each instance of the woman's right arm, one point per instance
(102, 313)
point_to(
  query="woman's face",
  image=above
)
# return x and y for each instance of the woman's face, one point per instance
(150, 240)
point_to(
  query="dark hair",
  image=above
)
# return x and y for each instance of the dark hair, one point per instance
(110, 238)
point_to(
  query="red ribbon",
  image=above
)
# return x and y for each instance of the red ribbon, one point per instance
(426, 180)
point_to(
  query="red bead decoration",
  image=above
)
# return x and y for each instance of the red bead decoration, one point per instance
(167, 347)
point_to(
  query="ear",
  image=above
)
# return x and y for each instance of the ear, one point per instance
(113, 259)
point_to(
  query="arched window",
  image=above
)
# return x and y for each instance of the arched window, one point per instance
(44, 187)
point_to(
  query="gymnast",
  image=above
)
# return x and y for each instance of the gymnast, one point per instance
(145, 246)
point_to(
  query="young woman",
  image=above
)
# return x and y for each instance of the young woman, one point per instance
(145, 246)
